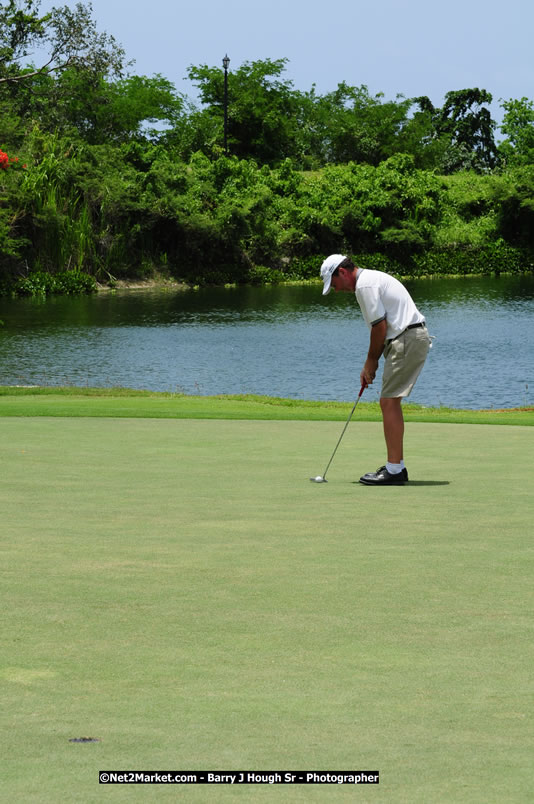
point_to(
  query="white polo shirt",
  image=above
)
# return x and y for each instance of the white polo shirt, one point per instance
(380, 297)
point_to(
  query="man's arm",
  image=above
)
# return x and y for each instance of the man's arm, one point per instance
(376, 347)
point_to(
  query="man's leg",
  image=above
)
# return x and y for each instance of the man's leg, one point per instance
(399, 377)
(393, 420)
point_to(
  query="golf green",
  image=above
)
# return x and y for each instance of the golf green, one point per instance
(179, 591)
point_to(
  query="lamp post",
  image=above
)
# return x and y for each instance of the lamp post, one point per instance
(226, 62)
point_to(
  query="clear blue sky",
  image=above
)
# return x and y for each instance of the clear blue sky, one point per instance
(415, 47)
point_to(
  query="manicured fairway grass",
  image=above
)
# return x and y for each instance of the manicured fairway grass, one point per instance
(178, 589)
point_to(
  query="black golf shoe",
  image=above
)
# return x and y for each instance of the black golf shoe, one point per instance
(384, 478)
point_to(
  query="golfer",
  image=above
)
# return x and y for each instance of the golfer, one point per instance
(398, 331)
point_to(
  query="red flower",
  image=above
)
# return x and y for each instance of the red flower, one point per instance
(5, 161)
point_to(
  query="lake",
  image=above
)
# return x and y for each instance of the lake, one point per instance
(286, 341)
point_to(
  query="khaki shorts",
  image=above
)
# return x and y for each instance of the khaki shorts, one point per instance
(404, 358)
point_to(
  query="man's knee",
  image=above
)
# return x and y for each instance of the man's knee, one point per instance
(390, 402)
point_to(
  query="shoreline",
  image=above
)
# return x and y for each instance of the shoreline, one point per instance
(162, 283)
(142, 284)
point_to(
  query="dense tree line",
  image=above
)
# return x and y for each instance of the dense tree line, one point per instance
(117, 174)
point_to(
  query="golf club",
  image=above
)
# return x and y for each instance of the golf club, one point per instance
(322, 478)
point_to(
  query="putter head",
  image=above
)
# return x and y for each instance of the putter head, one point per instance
(318, 479)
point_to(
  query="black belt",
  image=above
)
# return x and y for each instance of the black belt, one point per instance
(410, 326)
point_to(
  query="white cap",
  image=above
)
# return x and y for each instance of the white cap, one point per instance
(327, 269)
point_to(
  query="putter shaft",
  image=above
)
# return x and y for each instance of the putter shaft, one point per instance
(343, 432)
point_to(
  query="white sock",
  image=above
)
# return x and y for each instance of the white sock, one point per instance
(394, 468)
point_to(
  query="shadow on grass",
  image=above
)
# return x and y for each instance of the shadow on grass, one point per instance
(417, 483)
(429, 483)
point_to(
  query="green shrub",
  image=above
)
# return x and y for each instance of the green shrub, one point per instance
(260, 275)
(73, 282)
(309, 267)
(498, 257)
(303, 267)
(40, 283)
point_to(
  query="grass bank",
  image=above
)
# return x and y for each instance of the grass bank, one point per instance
(128, 403)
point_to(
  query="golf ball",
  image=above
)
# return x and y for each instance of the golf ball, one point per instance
(318, 478)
